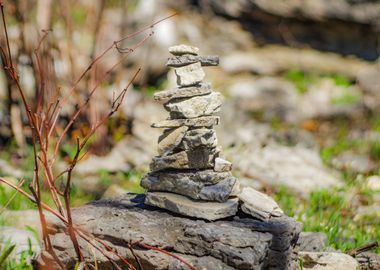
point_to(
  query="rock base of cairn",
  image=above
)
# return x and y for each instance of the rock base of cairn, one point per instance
(240, 242)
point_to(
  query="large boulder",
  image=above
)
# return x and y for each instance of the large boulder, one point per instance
(240, 242)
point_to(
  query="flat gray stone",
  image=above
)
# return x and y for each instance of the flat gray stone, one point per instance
(312, 241)
(199, 137)
(170, 139)
(190, 91)
(222, 165)
(206, 121)
(327, 261)
(199, 158)
(259, 205)
(195, 107)
(200, 185)
(185, 206)
(183, 49)
(189, 75)
(180, 61)
(236, 243)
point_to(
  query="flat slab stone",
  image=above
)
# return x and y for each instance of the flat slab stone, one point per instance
(183, 49)
(199, 137)
(199, 158)
(206, 121)
(195, 107)
(170, 139)
(259, 205)
(189, 75)
(200, 185)
(190, 91)
(235, 243)
(180, 61)
(185, 206)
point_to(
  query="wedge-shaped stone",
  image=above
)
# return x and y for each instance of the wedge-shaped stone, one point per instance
(170, 139)
(222, 165)
(199, 137)
(180, 61)
(192, 184)
(195, 106)
(183, 49)
(189, 75)
(199, 158)
(190, 91)
(259, 205)
(207, 121)
(188, 207)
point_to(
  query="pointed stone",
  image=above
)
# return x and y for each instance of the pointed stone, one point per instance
(199, 137)
(191, 91)
(170, 139)
(259, 205)
(183, 49)
(184, 60)
(200, 158)
(195, 107)
(222, 165)
(207, 121)
(188, 207)
(189, 75)
(192, 184)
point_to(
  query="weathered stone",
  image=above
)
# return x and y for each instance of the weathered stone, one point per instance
(185, 206)
(312, 241)
(199, 137)
(180, 61)
(195, 106)
(259, 205)
(183, 49)
(194, 184)
(199, 158)
(222, 165)
(205, 245)
(206, 121)
(170, 139)
(190, 91)
(327, 261)
(368, 260)
(189, 75)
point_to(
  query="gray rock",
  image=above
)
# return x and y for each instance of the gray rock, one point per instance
(185, 206)
(180, 61)
(302, 171)
(199, 137)
(189, 75)
(312, 241)
(195, 106)
(170, 139)
(20, 238)
(205, 185)
(368, 260)
(199, 158)
(259, 205)
(183, 49)
(222, 165)
(207, 121)
(206, 245)
(353, 162)
(190, 91)
(327, 261)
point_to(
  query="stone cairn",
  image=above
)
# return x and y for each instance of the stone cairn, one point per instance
(189, 177)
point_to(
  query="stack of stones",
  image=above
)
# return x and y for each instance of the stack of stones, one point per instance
(189, 177)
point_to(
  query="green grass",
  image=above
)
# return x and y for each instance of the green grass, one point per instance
(303, 80)
(330, 212)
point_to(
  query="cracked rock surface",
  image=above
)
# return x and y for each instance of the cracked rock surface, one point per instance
(240, 242)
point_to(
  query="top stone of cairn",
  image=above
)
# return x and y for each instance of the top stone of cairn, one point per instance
(183, 49)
